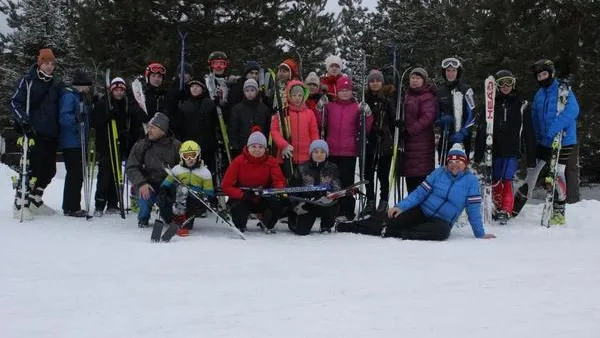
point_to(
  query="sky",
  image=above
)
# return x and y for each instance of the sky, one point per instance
(332, 5)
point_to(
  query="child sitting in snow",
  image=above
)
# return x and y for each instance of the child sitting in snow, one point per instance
(174, 201)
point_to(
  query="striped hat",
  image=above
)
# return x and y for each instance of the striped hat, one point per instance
(457, 153)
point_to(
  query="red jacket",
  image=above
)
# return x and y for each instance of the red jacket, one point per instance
(303, 129)
(252, 172)
(343, 124)
(328, 84)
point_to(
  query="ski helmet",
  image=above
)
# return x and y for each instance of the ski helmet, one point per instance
(218, 56)
(154, 68)
(505, 78)
(543, 65)
(189, 150)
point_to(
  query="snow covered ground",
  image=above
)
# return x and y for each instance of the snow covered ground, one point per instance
(62, 277)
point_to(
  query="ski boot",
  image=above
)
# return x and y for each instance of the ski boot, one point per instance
(558, 214)
(368, 210)
(502, 217)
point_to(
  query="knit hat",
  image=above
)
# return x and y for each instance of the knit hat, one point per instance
(117, 82)
(375, 75)
(161, 121)
(81, 78)
(251, 83)
(331, 60)
(257, 137)
(291, 65)
(343, 83)
(46, 55)
(312, 78)
(297, 89)
(319, 144)
(196, 81)
(250, 66)
(421, 72)
(457, 153)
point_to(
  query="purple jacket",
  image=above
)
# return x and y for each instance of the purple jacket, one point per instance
(419, 143)
(343, 124)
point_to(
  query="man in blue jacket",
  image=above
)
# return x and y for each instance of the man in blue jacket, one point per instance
(430, 211)
(554, 110)
(72, 116)
(40, 124)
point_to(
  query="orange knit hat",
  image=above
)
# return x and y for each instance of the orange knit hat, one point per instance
(46, 55)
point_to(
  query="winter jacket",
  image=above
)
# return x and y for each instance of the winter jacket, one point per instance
(244, 116)
(507, 128)
(446, 105)
(303, 129)
(311, 103)
(313, 173)
(70, 116)
(126, 127)
(196, 120)
(252, 172)
(343, 123)
(197, 178)
(444, 196)
(147, 160)
(384, 116)
(420, 109)
(156, 101)
(328, 83)
(546, 123)
(43, 103)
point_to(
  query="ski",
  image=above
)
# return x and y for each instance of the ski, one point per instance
(140, 98)
(289, 190)
(331, 198)
(209, 80)
(281, 112)
(550, 181)
(490, 97)
(222, 216)
(22, 197)
(396, 186)
(84, 131)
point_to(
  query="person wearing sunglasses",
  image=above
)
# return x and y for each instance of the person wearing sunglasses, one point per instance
(40, 125)
(175, 203)
(431, 210)
(554, 113)
(508, 116)
(455, 124)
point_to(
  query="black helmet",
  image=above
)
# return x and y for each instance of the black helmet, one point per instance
(543, 65)
(504, 73)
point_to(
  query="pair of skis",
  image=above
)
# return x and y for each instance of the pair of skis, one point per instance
(22, 182)
(331, 198)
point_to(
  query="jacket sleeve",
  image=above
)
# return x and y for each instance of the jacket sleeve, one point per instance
(68, 109)
(18, 102)
(473, 205)
(427, 114)
(277, 176)
(568, 116)
(134, 165)
(229, 182)
(418, 196)
(280, 142)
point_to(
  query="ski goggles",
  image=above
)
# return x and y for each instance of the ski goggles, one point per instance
(189, 155)
(506, 81)
(157, 69)
(117, 85)
(450, 62)
(220, 64)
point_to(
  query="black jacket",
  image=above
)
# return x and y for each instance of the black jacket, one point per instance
(244, 116)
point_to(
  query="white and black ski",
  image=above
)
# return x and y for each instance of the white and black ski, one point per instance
(490, 99)
(288, 190)
(331, 198)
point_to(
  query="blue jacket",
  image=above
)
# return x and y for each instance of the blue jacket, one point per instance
(444, 196)
(43, 109)
(546, 124)
(70, 117)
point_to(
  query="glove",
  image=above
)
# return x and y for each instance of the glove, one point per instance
(364, 107)
(248, 195)
(446, 120)
(288, 151)
(458, 137)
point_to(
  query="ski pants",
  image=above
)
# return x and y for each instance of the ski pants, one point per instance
(347, 167)
(410, 224)
(269, 207)
(572, 176)
(302, 224)
(106, 191)
(383, 169)
(503, 171)
(42, 160)
(73, 180)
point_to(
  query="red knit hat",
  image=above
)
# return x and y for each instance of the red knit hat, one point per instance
(46, 55)
(343, 83)
(292, 66)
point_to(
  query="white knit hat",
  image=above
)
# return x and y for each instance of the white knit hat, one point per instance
(333, 59)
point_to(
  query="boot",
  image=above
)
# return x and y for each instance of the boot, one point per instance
(75, 213)
(368, 210)
(502, 217)
(38, 207)
(558, 213)
(98, 213)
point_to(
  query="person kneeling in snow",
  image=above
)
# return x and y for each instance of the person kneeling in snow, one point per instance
(317, 171)
(430, 211)
(175, 202)
(253, 169)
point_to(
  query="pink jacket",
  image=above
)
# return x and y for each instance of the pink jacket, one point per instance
(343, 124)
(303, 128)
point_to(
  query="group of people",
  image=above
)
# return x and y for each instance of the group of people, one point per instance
(262, 131)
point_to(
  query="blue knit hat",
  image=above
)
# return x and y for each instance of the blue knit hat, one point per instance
(319, 144)
(457, 153)
(250, 66)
